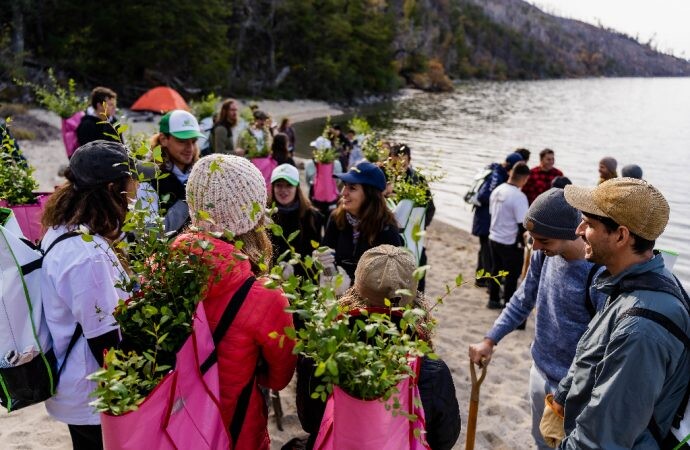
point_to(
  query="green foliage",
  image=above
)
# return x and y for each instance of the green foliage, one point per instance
(62, 101)
(17, 184)
(416, 190)
(205, 107)
(324, 155)
(248, 142)
(374, 148)
(359, 125)
(166, 283)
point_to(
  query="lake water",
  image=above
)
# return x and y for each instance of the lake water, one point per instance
(645, 121)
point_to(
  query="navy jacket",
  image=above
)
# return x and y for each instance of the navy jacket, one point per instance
(482, 218)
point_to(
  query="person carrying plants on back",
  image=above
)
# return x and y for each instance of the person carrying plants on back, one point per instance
(382, 273)
(165, 194)
(227, 196)
(79, 278)
(402, 154)
(361, 221)
(558, 284)
(255, 141)
(319, 172)
(99, 120)
(631, 370)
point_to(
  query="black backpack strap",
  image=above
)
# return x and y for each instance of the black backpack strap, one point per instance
(223, 325)
(589, 304)
(75, 337)
(37, 263)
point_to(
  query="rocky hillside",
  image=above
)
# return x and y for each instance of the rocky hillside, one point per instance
(511, 39)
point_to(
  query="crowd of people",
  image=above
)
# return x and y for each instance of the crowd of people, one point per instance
(604, 374)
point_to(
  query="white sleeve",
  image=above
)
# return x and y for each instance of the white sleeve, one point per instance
(521, 207)
(89, 291)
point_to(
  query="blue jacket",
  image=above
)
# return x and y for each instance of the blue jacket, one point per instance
(482, 218)
(557, 288)
(626, 370)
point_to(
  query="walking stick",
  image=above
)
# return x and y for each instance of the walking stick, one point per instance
(474, 404)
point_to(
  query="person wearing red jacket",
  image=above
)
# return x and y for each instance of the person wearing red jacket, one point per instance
(541, 176)
(222, 192)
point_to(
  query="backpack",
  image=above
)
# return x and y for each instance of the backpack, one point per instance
(206, 143)
(28, 366)
(69, 132)
(324, 188)
(353, 424)
(478, 181)
(183, 411)
(679, 435)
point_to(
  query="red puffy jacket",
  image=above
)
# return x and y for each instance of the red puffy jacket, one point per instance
(263, 312)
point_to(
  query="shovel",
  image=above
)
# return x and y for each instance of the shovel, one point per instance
(474, 404)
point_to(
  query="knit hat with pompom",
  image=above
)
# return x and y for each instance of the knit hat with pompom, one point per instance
(226, 188)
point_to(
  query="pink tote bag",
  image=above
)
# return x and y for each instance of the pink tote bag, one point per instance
(69, 132)
(325, 189)
(353, 424)
(29, 216)
(183, 412)
(265, 166)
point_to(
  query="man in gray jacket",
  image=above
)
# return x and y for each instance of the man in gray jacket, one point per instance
(629, 374)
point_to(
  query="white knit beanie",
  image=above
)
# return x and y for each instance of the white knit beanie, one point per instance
(226, 187)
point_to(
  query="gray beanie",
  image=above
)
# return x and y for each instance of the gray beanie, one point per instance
(552, 217)
(632, 171)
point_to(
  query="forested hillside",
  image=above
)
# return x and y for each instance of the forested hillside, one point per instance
(332, 49)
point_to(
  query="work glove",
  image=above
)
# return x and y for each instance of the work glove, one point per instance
(551, 426)
(331, 281)
(326, 257)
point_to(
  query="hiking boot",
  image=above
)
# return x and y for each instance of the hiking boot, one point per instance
(494, 305)
(522, 326)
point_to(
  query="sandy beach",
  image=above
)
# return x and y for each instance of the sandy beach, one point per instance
(504, 418)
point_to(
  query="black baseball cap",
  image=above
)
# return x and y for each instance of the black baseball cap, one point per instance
(99, 162)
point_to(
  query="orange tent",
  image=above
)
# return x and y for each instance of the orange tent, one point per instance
(160, 99)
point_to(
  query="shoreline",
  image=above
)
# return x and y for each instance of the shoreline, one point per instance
(504, 420)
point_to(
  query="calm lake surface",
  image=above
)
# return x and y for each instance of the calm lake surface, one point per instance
(645, 121)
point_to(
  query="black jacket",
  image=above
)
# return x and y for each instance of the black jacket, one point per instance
(346, 254)
(290, 222)
(436, 389)
(90, 130)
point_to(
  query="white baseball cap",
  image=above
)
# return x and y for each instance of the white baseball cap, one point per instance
(286, 172)
(181, 124)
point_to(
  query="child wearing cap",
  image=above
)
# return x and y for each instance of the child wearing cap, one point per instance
(165, 194)
(361, 221)
(293, 212)
(79, 278)
(381, 273)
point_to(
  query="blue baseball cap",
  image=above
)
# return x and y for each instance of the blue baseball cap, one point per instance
(364, 173)
(512, 159)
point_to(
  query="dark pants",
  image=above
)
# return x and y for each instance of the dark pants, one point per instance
(508, 258)
(86, 437)
(484, 254)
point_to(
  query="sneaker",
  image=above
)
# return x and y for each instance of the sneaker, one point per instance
(494, 305)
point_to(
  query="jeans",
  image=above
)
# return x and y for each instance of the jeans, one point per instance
(538, 389)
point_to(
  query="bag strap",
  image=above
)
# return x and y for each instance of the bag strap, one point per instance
(72, 342)
(672, 328)
(37, 263)
(589, 304)
(226, 320)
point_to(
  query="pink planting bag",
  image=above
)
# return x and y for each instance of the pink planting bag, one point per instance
(353, 424)
(69, 132)
(29, 216)
(265, 166)
(325, 189)
(183, 412)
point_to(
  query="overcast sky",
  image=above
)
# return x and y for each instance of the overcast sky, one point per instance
(666, 21)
